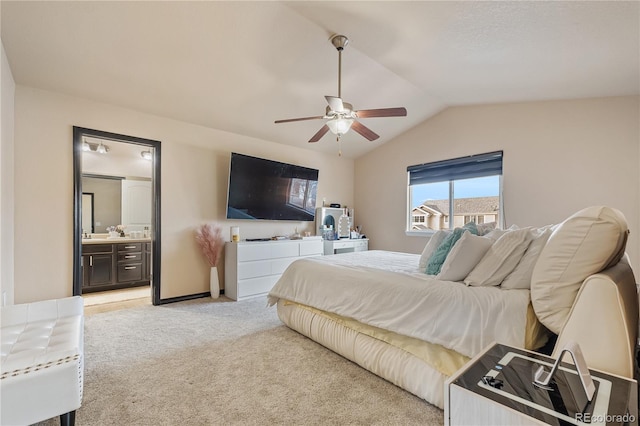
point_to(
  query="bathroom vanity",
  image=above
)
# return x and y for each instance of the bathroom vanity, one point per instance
(109, 264)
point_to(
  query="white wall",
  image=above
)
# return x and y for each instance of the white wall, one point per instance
(195, 162)
(8, 88)
(559, 157)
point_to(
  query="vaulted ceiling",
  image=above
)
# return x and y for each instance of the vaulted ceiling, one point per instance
(238, 66)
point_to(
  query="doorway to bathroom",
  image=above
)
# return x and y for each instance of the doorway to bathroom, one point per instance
(116, 217)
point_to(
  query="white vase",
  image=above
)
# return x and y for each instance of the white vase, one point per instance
(214, 283)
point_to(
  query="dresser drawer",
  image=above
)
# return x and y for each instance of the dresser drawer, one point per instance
(341, 245)
(310, 248)
(259, 268)
(260, 251)
(129, 257)
(124, 247)
(97, 248)
(256, 286)
(129, 272)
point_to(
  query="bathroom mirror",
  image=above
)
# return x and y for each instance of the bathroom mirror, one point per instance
(116, 200)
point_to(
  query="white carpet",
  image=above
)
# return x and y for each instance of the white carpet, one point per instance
(208, 362)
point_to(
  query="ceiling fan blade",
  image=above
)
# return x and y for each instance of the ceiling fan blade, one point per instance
(382, 112)
(364, 130)
(324, 129)
(335, 103)
(288, 120)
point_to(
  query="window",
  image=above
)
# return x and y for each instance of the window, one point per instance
(302, 193)
(447, 194)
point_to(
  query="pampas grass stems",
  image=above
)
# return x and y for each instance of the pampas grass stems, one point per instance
(209, 237)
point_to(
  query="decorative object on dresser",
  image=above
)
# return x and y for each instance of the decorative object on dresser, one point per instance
(210, 240)
(253, 267)
(497, 388)
(334, 223)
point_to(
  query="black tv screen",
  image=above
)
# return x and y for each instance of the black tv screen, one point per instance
(270, 190)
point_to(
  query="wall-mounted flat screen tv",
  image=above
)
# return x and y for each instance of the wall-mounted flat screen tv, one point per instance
(270, 190)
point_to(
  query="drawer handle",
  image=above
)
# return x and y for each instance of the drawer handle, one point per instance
(130, 267)
(129, 246)
(131, 256)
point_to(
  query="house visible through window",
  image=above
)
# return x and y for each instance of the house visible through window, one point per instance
(447, 194)
(302, 194)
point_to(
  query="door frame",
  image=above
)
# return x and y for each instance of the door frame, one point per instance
(78, 134)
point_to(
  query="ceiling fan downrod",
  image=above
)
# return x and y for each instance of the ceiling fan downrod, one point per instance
(340, 42)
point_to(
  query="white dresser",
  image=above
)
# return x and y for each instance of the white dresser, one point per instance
(253, 267)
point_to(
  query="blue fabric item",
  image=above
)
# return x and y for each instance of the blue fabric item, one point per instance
(471, 226)
(440, 255)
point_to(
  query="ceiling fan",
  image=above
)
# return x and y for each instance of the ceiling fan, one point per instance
(340, 115)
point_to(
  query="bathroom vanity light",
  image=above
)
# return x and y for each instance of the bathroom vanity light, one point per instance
(93, 147)
(146, 155)
(102, 149)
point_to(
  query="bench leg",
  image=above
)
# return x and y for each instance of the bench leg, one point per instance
(68, 419)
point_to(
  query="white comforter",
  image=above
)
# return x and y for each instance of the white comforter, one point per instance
(386, 290)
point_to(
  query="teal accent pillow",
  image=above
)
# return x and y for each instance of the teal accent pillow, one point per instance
(471, 227)
(440, 255)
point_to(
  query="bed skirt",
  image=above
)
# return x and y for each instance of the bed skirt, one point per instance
(392, 363)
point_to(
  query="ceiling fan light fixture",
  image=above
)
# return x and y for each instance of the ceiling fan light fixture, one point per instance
(340, 125)
(146, 155)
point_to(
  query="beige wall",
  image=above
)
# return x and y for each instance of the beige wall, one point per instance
(107, 203)
(8, 88)
(559, 157)
(194, 167)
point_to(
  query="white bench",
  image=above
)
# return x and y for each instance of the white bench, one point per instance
(42, 361)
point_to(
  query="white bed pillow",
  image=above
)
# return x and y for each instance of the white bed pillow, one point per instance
(496, 233)
(463, 257)
(431, 247)
(500, 259)
(520, 277)
(586, 243)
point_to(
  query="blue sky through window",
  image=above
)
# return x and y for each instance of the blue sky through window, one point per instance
(488, 186)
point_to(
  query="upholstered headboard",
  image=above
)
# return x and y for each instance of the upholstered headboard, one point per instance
(604, 320)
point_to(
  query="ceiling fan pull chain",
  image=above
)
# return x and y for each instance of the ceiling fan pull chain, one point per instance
(339, 145)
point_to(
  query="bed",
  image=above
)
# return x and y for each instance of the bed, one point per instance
(379, 310)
